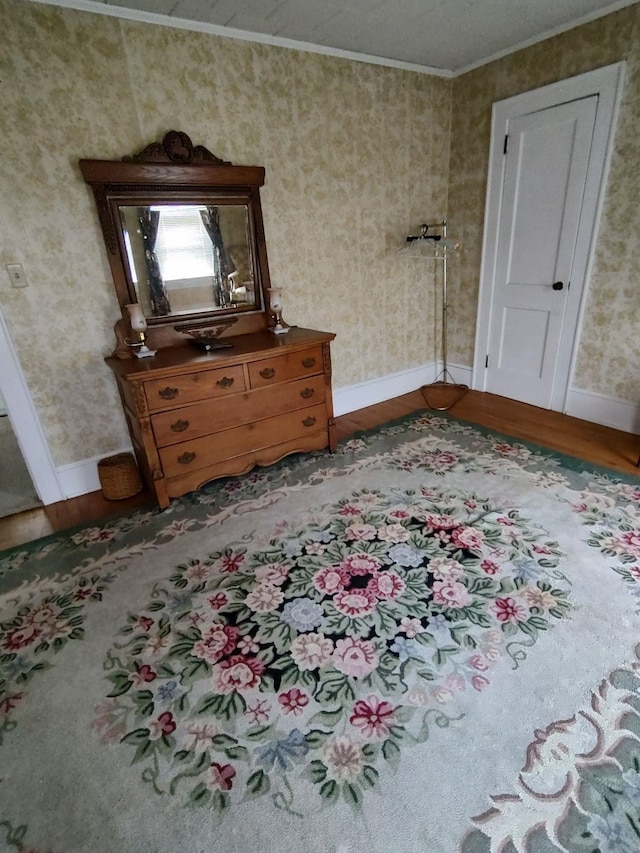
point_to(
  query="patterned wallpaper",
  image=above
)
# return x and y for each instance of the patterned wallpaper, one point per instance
(609, 349)
(355, 155)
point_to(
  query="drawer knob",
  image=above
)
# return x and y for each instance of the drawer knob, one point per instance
(306, 393)
(310, 421)
(186, 457)
(168, 393)
(225, 382)
(308, 362)
(179, 426)
(268, 373)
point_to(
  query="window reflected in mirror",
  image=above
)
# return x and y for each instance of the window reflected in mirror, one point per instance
(189, 258)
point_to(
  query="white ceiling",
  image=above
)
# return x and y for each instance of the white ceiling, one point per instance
(446, 36)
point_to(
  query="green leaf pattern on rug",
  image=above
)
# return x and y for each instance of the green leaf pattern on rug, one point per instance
(37, 631)
(310, 664)
(612, 510)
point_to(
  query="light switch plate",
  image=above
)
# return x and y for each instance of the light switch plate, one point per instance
(17, 275)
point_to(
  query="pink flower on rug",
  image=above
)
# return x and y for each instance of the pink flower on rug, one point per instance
(467, 537)
(360, 532)
(218, 601)
(237, 673)
(410, 626)
(386, 585)
(445, 569)
(230, 563)
(344, 758)
(293, 701)
(145, 623)
(441, 522)
(355, 657)
(21, 637)
(329, 580)
(399, 514)
(274, 573)
(311, 651)
(479, 682)
(258, 712)
(442, 695)
(536, 597)
(81, 594)
(489, 567)
(264, 598)
(360, 564)
(247, 645)
(164, 725)
(393, 533)
(143, 675)
(372, 716)
(349, 510)
(355, 602)
(202, 735)
(508, 610)
(451, 594)
(9, 702)
(630, 541)
(42, 615)
(218, 641)
(479, 662)
(221, 776)
(197, 572)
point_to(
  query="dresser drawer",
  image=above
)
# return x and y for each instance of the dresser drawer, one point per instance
(213, 416)
(281, 368)
(200, 385)
(191, 455)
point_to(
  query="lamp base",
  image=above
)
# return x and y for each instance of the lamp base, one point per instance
(279, 329)
(442, 394)
(144, 352)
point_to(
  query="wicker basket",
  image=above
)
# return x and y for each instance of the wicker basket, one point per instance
(119, 476)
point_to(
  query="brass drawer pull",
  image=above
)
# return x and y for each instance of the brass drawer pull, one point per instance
(268, 373)
(308, 362)
(186, 457)
(306, 393)
(179, 426)
(309, 421)
(168, 393)
(225, 382)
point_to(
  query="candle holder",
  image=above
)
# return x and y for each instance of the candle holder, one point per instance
(275, 306)
(138, 324)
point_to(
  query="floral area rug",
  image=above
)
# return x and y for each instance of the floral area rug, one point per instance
(424, 643)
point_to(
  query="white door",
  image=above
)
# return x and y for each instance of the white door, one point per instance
(550, 150)
(545, 174)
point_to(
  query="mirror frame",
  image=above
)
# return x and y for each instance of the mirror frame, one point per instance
(175, 171)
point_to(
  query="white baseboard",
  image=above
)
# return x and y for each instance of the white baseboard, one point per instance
(354, 397)
(602, 409)
(79, 478)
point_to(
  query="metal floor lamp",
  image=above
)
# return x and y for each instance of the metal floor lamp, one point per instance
(432, 243)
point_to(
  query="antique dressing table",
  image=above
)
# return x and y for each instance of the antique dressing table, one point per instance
(222, 393)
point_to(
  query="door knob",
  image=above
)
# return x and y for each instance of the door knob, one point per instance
(558, 285)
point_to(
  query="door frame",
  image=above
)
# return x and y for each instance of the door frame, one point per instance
(25, 422)
(607, 84)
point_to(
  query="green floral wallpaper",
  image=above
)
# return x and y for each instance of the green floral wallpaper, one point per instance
(356, 155)
(609, 349)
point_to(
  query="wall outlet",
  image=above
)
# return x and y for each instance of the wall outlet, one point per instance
(17, 275)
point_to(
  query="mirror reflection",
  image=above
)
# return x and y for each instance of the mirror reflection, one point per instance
(189, 258)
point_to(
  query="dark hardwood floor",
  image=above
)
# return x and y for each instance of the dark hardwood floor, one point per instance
(600, 445)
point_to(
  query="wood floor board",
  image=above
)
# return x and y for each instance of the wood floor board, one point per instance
(596, 444)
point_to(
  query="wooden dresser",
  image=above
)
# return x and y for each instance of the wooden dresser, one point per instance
(195, 416)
